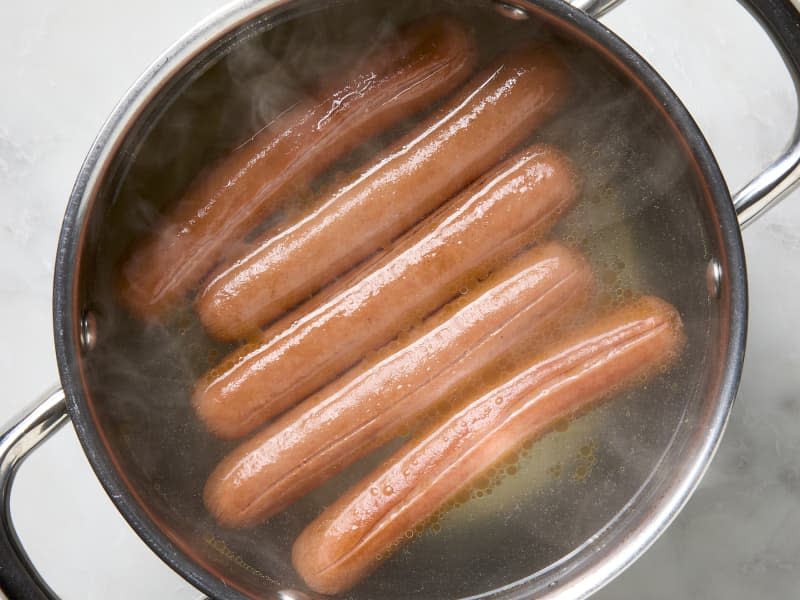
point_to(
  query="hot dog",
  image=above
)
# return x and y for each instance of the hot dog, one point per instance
(353, 415)
(343, 544)
(497, 110)
(421, 64)
(489, 222)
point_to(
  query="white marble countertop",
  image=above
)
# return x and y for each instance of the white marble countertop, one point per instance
(63, 66)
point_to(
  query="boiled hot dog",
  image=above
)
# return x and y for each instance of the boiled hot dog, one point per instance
(487, 223)
(422, 63)
(344, 543)
(495, 112)
(353, 415)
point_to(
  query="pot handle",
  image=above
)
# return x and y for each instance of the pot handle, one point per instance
(594, 8)
(18, 577)
(781, 20)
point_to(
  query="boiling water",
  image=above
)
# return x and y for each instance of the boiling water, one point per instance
(638, 222)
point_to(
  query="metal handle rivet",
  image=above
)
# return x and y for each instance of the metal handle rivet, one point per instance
(714, 277)
(511, 11)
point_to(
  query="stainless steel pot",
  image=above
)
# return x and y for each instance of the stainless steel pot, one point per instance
(208, 561)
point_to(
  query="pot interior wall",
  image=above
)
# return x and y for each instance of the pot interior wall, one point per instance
(643, 221)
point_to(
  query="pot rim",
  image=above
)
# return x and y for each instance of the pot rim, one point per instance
(216, 29)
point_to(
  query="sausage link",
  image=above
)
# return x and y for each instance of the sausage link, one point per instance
(357, 412)
(497, 110)
(422, 63)
(343, 544)
(486, 224)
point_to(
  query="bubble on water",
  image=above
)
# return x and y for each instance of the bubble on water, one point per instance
(561, 425)
(586, 459)
(608, 276)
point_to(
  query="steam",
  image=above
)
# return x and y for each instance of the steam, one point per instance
(141, 374)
